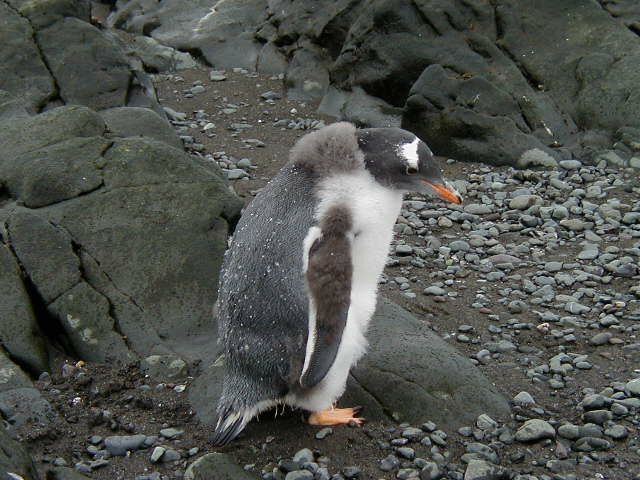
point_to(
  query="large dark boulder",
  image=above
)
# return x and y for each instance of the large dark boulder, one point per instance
(468, 118)
(592, 73)
(90, 69)
(20, 402)
(409, 374)
(223, 32)
(52, 55)
(22, 70)
(102, 250)
(413, 375)
(14, 459)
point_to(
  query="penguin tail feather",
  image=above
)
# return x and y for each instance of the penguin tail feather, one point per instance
(230, 425)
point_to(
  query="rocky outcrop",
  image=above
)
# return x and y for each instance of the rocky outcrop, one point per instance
(414, 378)
(479, 81)
(53, 56)
(111, 235)
(223, 33)
(94, 224)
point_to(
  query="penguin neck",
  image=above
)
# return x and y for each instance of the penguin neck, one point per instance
(370, 202)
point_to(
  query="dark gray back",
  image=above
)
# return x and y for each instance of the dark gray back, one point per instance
(262, 301)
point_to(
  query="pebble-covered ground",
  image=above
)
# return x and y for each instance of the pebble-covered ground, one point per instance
(534, 277)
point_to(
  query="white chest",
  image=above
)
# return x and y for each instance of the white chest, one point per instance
(374, 210)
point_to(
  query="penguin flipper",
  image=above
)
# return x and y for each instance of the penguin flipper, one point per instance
(329, 273)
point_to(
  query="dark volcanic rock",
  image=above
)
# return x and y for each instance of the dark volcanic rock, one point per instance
(136, 121)
(15, 459)
(64, 473)
(56, 172)
(425, 379)
(46, 129)
(582, 76)
(91, 69)
(225, 39)
(20, 402)
(19, 331)
(468, 119)
(93, 221)
(22, 71)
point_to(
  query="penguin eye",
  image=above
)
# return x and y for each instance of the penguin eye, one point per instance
(411, 170)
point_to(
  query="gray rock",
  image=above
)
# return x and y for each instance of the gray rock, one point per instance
(478, 208)
(15, 458)
(303, 456)
(226, 39)
(524, 398)
(485, 422)
(164, 367)
(20, 402)
(617, 432)
(307, 76)
(299, 475)
(19, 329)
(46, 129)
(413, 398)
(324, 433)
(476, 105)
(534, 430)
(484, 451)
(633, 387)
(139, 122)
(522, 202)
(171, 455)
(599, 417)
(119, 445)
(459, 246)
(351, 472)
(91, 69)
(570, 164)
(389, 463)
(22, 69)
(574, 224)
(153, 55)
(481, 470)
(157, 453)
(171, 433)
(601, 338)
(536, 158)
(84, 314)
(64, 473)
(595, 81)
(217, 76)
(360, 108)
(434, 290)
(236, 174)
(430, 471)
(216, 465)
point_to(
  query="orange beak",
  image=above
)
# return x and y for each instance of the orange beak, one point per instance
(445, 192)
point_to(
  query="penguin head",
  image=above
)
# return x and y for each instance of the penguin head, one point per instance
(399, 160)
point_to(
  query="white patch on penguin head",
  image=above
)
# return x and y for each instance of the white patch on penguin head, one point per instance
(409, 151)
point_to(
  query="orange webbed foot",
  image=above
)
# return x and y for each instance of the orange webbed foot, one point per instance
(336, 416)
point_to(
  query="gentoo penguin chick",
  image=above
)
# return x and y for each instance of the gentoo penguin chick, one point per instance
(299, 282)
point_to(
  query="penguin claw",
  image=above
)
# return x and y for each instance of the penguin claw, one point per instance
(336, 416)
